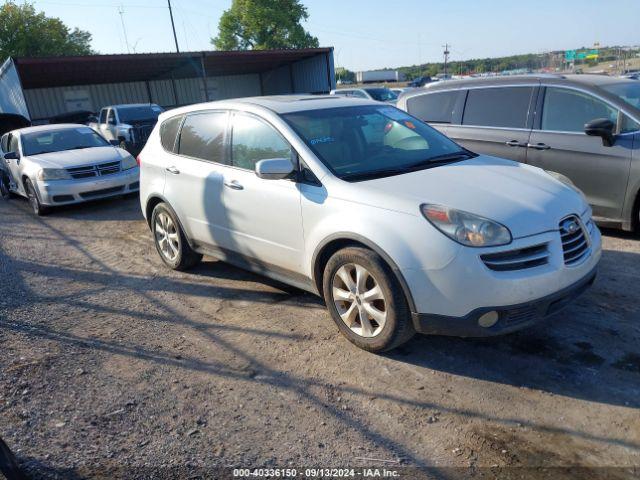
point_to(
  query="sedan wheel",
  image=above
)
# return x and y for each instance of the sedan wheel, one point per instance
(359, 300)
(37, 207)
(167, 237)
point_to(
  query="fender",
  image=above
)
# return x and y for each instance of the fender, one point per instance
(368, 243)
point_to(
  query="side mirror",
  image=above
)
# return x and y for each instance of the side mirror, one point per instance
(12, 156)
(601, 127)
(274, 168)
(114, 142)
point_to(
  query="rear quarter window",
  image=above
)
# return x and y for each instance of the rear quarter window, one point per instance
(169, 131)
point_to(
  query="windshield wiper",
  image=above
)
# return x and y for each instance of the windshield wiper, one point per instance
(384, 172)
(428, 163)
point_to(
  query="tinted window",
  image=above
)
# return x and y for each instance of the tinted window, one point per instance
(13, 144)
(434, 107)
(568, 110)
(254, 140)
(146, 113)
(628, 125)
(202, 136)
(168, 132)
(628, 92)
(381, 94)
(103, 115)
(498, 107)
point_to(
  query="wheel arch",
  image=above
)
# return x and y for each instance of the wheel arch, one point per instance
(338, 241)
(152, 203)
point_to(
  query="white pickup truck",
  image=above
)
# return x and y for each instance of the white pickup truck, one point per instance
(129, 124)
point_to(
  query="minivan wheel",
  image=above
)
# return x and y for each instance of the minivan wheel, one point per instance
(366, 301)
(34, 201)
(170, 241)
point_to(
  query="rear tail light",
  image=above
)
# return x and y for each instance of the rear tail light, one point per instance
(138, 160)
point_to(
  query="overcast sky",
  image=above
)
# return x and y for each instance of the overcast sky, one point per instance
(371, 34)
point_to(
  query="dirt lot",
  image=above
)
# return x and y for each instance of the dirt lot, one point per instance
(112, 365)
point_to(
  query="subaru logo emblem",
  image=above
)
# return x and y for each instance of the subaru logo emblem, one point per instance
(570, 226)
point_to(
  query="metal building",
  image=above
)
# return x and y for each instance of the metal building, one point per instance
(42, 87)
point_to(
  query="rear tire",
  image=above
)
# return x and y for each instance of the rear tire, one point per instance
(34, 201)
(366, 300)
(4, 186)
(170, 241)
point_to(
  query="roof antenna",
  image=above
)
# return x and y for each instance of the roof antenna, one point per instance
(126, 40)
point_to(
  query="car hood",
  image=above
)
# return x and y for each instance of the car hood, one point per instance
(77, 158)
(525, 199)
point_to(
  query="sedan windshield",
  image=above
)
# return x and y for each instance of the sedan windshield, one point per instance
(381, 94)
(629, 92)
(365, 142)
(48, 141)
(139, 114)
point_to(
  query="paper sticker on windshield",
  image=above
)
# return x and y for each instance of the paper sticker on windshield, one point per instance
(84, 130)
(316, 141)
(394, 114)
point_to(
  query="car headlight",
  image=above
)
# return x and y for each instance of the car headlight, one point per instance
(53, 174)
(466, 228)
(128, 163)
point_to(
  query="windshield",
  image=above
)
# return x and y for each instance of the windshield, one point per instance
(139, 114)
(629, 92)
(381, 94)
(49, 141)
(364, 142)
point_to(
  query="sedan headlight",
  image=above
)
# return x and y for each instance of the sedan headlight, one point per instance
(53, 174)
(128, 163)
(466, 228)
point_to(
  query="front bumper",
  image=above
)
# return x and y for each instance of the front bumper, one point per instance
(449, 299)
(64, 192)
(510, 318)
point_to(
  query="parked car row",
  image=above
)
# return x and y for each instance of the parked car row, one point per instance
(398, 227)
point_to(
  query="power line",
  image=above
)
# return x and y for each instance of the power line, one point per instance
(124, 29)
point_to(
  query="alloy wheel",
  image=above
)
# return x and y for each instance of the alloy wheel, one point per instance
(166, 235)
(359, 300)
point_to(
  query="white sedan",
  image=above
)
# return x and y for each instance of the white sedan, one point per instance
(63, 164)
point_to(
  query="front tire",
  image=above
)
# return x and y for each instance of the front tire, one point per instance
(5, 192)
(170, 241)
(34, 201)
(366, 300)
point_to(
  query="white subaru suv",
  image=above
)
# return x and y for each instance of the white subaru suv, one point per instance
(399, 228)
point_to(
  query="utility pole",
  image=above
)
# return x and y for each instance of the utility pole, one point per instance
(173, 26)
(126, 40)
(446, 58)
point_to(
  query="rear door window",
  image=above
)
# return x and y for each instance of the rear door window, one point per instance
(439, 107)
(169, 131)
(203, 136)
(506, 107)
(566, 110)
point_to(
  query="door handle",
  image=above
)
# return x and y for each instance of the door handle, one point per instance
(173, 170)
(234, 184)
(515, 143)
(538, 146)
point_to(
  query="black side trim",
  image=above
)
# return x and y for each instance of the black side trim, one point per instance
(263, 268)
(360, 239)
(511, 317)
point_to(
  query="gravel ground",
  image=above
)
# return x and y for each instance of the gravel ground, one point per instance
(113, 366)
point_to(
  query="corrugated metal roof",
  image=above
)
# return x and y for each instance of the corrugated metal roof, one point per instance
(42, 72)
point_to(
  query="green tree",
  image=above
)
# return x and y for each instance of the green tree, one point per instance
(263, 25)
(26, 33)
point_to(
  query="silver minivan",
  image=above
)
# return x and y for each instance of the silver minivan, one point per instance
(584, 127)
